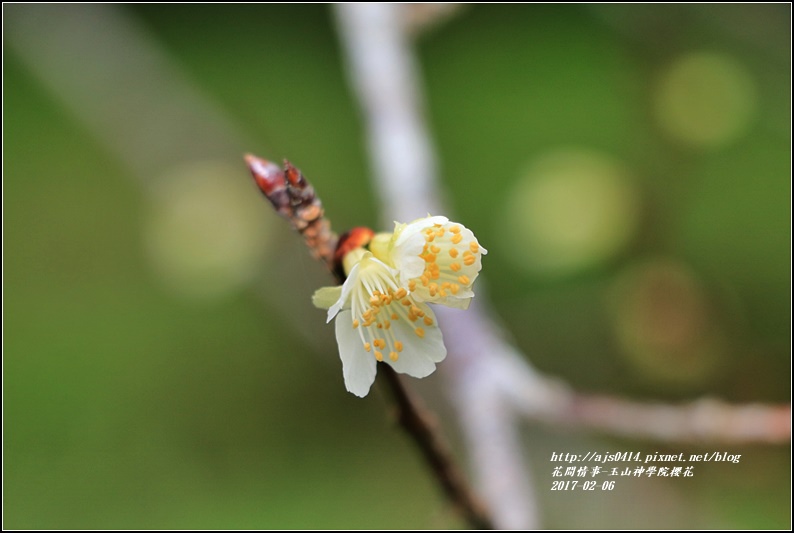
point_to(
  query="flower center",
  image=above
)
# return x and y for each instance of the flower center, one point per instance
(448, 258)
(378, 305)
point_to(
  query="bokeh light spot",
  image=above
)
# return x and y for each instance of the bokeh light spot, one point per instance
(570, 211)
(705, 99)
(664, 323)
(206, 233)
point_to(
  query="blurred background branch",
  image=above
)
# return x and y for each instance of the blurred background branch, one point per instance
(107, 70)
(483, 369)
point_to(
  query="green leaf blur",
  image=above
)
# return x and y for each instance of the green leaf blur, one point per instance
(147, 389)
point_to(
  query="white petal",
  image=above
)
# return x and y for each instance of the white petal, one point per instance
(420, 354)
(344, 297)
(358, 365)
(406, 257)
(417, 226)
(450, 252)
(325, 297)
(456, 302)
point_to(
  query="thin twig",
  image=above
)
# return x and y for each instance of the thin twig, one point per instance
(294, 199)
(422, 426)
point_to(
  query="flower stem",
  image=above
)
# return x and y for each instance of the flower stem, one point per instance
(421, 425)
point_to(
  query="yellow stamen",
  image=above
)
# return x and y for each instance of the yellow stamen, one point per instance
(430, 258)
(400, 294)
(455, 288)
(453, 253)
(455, 229)
(394, 356)
(398, 346)
(367, 346)
(455, 267)
(355, 323)
(412, 285)
(425, 280)
(406, 302)
(378, 355)
(420, 332)
(428, 321)
(474, 247)
(457, 238)
(435, 249)
(394, 316)
(468, 261)
(464, 280)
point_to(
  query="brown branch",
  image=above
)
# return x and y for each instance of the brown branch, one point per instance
(422, 426)
(294, 199)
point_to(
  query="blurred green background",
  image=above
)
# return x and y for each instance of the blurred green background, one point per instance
(628, 168)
